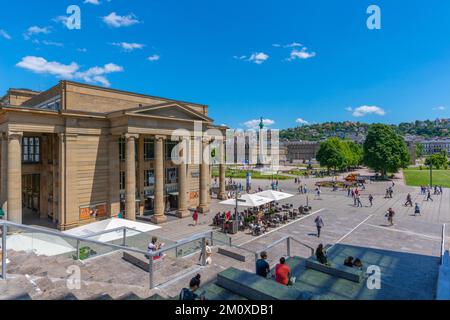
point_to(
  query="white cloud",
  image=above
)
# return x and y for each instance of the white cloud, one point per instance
(254, 124)
(96, 2)
(4, 34)
(154, 57)
(71, 71)
(366, 110)
(293, 45)
(83, 50)
(42, 66)
(129, 46)
(48, 43)
(301, 121)
(440, 108)
(35, 30)
(301, 54)
(258, 57)
(115, 21)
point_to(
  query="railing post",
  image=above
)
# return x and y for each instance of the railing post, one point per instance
(203, 251)
(212, 238)
(78, 249)
(256, 260)
(4, 251)
(288, 247)
(230, 240)
(176, 252)
(150, 272)
(124, 242)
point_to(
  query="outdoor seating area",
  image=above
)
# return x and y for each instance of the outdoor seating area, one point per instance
(264, 211)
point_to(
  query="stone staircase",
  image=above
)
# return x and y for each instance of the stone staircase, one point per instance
(402, 278)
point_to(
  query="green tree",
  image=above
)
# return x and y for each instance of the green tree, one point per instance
(331, 155)
(356, 154)
(419, 150)
(438, 160)
(384, 150)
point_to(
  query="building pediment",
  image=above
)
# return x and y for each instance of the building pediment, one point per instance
(169, 111)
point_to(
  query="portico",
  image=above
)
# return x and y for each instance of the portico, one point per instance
(78, 153)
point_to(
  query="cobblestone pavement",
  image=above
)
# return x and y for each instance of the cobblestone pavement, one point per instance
(344, 224)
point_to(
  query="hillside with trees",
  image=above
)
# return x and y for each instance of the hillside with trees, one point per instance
(358, 130)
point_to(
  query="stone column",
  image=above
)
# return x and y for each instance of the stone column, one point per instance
(4, 174)
(222, 171)
(159, 216)
(141, 169)
(182, 181)
(204, 176)
(44, 180)
(130, 177)
(61, 180)
(114, 177)
(14, 175)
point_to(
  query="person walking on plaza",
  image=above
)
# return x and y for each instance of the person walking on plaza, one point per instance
(195, 217)
(319, 225)
(358, 201)
(408, 200)
(371, 200)
(208, 254)
(417, 210)
(390, 216)
(319, 192)
(429, 196)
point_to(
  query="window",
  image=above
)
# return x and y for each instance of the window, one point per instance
(170, 145)
(149, 178)
(31, 150)
(122, 149)
(149, 149)
(122, 180)
(171, 175)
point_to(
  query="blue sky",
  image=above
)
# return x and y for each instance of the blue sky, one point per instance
(242, 58)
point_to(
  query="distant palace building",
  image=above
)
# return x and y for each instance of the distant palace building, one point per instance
(78, 153)
(433, 146)
(298, 151)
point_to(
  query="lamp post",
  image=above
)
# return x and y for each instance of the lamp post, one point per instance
(431, 174)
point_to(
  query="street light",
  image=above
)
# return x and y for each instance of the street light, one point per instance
(431, 174)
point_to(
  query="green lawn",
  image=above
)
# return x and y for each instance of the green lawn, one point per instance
(416, 177)
(240, 174)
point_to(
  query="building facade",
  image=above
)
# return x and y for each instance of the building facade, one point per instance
(431, 147)
(300, 151)
(78, 153)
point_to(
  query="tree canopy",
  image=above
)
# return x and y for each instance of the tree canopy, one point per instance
(339, 154)
(384, 150)
(438, 160)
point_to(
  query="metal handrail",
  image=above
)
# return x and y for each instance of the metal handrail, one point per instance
(110, 231)
(443, 243)
(67, 236)
(304, 244)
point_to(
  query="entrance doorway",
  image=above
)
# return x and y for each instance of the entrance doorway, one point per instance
(31, 192)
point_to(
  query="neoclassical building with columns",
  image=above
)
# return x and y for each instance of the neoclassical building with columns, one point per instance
(77, 153)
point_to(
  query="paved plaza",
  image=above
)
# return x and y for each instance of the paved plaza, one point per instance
(412, 246)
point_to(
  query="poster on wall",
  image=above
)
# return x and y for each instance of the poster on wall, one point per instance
(93, 212)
